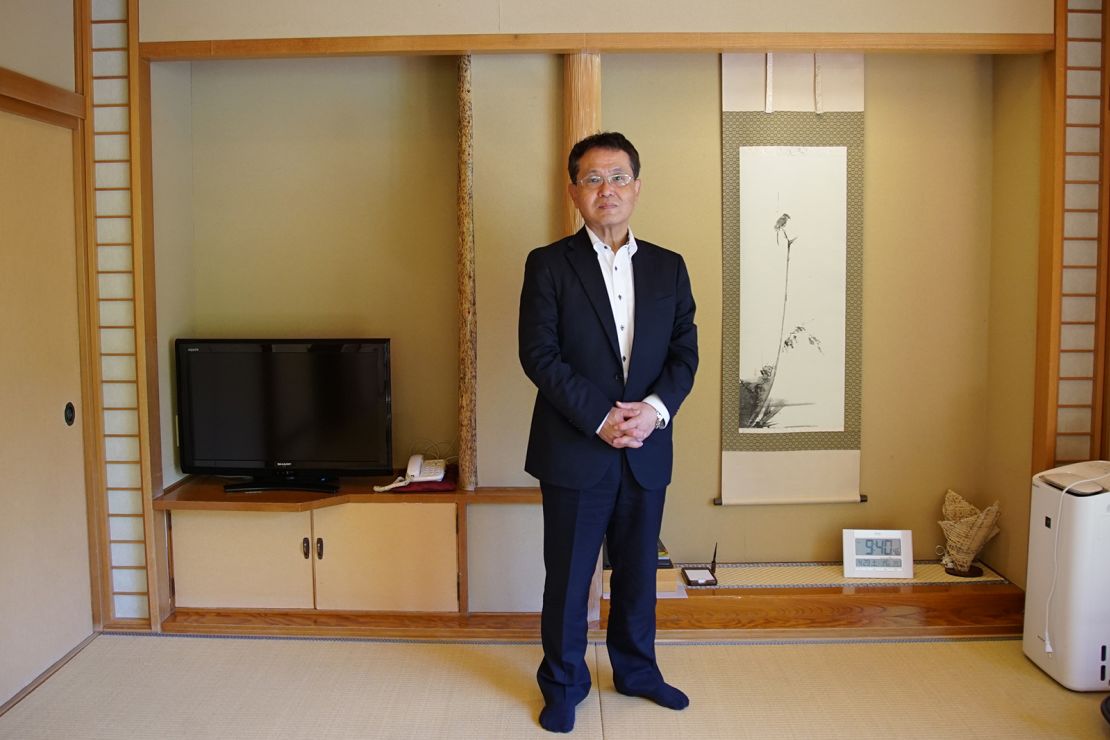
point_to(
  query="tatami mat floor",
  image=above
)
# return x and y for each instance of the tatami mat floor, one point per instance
(139, 686)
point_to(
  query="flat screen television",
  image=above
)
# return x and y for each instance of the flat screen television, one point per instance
(290, 413)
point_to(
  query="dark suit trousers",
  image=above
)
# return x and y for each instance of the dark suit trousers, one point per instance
(574, 523)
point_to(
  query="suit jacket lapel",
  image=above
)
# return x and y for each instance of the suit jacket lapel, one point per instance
(583, 260)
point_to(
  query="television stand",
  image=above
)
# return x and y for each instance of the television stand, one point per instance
(321, 484)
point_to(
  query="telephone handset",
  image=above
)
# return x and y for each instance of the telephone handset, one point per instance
(425, 470)
(418, 471)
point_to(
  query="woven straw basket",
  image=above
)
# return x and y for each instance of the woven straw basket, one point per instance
(966, 529)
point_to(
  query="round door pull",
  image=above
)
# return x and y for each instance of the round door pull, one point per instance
(70, 414)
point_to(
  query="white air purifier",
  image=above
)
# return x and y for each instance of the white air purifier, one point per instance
(1067, 591)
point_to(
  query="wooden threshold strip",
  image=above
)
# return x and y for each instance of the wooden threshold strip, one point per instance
(564, 43)
(38, 681)
(309, 623)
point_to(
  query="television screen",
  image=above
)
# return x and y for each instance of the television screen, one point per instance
(293, 413)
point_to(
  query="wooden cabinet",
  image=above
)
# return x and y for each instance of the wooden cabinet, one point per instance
(246, 559)
(387, 557)
(354, 557)
(349, 552)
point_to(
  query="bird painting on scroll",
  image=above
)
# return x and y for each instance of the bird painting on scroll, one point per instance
(793, 259)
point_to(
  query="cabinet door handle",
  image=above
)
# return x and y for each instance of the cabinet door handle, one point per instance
(319, 548)
(305, 547)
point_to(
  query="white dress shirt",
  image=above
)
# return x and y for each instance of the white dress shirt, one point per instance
(616, 270)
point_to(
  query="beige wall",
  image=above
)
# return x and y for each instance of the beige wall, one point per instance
(37, 40)
(518, 192)
(284, 198)
(940, 410)
(323, 204)
(1013, 318)
(172, 150)
(926, 285)
(172, 20)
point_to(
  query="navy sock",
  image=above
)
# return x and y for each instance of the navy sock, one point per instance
(664, 695)
(557, 717)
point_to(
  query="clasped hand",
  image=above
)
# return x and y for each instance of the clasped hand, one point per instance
(628, 424)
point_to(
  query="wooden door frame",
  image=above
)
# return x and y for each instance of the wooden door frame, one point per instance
(1048, 46)
(55, 106)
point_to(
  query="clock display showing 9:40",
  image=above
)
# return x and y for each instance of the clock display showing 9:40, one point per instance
(876, 546)
(878, 553)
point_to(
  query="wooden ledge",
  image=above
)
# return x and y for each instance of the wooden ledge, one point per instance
(971, 609)
(207, 494)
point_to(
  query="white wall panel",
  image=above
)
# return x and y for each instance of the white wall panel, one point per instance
(505, 557)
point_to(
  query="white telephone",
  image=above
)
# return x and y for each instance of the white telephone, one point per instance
(424, 470)
(418, 470)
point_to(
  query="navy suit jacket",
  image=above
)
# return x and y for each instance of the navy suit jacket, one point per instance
(568, 348)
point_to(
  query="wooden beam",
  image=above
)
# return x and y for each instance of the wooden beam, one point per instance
(100, 575)
(1099, 440)
(100, 558)
(159, 600)
(570, 43)
(1047, 359)
(581, 113)
(41, 94)
(462, 556)
(31, 98)
(581, 117)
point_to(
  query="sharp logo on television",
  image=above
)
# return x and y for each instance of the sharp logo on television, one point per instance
(284, 464)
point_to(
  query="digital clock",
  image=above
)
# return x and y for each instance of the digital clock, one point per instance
(878, 553)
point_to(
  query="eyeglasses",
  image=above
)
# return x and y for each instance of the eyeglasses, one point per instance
(619, 180)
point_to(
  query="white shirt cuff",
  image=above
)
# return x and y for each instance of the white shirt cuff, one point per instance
(657, 403)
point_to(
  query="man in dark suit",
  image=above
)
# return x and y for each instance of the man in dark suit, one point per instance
(607, 335)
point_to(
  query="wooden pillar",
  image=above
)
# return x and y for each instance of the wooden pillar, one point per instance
(581, 117)
(581, 112)
(1071, 367)
(468, 319)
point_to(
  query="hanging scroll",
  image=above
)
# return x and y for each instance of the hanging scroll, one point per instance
(793, 223)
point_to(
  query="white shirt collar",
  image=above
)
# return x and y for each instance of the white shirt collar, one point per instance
(600, 245)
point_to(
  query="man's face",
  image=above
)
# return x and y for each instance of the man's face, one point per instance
(607, 206)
